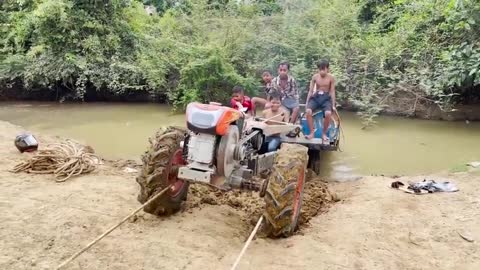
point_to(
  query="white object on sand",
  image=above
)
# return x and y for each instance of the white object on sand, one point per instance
(474, 164)
(130, 170)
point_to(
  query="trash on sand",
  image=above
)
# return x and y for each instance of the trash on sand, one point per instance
(432, 186)
(397, 184)
(130, 170)
(466, 237)
(474, 164)
(425, 186)
(26, 142)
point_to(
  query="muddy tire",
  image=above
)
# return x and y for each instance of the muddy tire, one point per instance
(314, 160)
(159, 169)
(284, 193)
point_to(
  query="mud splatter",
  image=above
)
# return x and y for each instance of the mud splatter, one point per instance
(246, 201)
(316, 200)
(122, 163)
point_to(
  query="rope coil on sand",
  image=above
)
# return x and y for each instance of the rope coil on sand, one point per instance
(64, 160)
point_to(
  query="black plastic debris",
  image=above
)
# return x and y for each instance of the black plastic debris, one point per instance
(26, 142)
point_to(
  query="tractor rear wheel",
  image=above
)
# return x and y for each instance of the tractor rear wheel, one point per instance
(284, 193)
(160, 165)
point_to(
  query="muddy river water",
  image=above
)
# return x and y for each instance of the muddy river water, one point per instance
(394, 146)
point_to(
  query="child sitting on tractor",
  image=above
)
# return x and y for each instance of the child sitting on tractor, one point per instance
(240, 101)
(267, 90)
(321, 96)
(275, 114)
(285, 84)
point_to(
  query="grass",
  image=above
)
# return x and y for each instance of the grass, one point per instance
(459, 168)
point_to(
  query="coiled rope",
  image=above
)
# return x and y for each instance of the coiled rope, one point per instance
(64, 160)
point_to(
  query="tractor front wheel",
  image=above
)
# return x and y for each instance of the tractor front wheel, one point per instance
(160, 169)
(284, 193)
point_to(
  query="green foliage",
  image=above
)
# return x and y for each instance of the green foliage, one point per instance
(421, 49)
(72, 45)
(208, 78)
(459, 168)
(198, 50)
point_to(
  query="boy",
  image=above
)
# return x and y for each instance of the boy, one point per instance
(276, 113)
(287, 86)
(267, 89)
(267, 82)
(321, 96)
(239, 101)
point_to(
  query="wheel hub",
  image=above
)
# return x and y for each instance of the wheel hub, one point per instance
(226, 160)
(176, 161)
(239, 153)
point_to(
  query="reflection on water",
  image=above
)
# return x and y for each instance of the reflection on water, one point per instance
(114, 130)
(394, 146)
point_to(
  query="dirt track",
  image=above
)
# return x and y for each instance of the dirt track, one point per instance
(373, 227)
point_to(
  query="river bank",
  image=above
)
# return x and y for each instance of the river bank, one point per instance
(372, 227)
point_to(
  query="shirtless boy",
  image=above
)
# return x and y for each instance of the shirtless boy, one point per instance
(321, 96)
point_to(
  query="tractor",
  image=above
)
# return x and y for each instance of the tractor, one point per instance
(223, 148)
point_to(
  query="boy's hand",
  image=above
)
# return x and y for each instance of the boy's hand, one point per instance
(239, 105)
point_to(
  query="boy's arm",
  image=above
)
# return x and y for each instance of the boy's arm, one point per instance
(233, 103)
(310, 90)
(286, 116)
(251, 106)
(332, 92)
(295, 90)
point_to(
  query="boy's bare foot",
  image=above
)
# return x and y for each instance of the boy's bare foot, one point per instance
(325, 140)
(310, 136)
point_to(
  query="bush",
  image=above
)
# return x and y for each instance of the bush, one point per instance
(198, 50)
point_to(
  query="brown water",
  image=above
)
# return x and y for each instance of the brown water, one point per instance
(394, 146)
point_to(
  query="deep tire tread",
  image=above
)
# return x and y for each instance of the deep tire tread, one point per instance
(153, 176)
(290, 161)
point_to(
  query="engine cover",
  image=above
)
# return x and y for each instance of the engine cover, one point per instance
(201, 148)
(210, 118)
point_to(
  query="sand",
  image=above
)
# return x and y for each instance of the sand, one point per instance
(370, 227)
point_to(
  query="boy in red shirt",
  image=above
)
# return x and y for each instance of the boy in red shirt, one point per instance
(239, 101)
